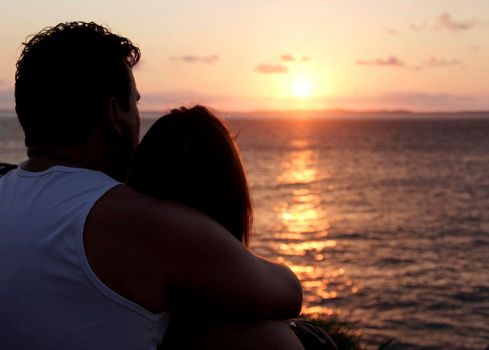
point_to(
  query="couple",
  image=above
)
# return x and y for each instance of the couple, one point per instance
(88, 262)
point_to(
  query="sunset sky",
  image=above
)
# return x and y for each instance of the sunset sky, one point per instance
(244, 55)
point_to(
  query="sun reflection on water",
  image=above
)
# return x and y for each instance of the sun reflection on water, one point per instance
(296, 169)
(302, 236)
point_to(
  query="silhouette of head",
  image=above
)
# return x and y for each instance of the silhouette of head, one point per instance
(66, 77)
(189, 156)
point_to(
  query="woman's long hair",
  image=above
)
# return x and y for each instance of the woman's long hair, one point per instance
(190, 156)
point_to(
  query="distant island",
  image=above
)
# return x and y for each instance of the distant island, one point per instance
(345, 113)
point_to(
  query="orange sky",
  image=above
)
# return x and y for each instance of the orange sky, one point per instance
(255, 55)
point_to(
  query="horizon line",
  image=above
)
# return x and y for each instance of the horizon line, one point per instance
(326, 110)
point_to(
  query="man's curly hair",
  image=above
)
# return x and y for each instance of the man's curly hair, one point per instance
(65, 76)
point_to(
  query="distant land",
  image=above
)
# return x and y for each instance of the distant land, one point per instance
(325, 114)
(347, 114)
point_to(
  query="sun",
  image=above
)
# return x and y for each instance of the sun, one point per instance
(302, 88)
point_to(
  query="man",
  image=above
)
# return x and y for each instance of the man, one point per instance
(88, 263)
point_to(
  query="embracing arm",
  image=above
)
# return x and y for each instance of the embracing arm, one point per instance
(218, 273)
(157, 248)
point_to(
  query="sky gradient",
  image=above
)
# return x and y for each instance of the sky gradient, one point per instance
(245, 55)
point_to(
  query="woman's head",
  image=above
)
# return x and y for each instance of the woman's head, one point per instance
(189, 156)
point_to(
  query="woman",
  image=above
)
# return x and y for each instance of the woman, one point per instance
(189, 156)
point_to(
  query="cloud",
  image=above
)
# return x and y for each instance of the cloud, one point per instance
(445, 21)
(281, 65)
(176, 97)
(441, 62)
(391, 31)
(209, 59)
(162, 101)
(394, 61)
(165, 100)
(422, 99)
(413, 100)
(292, 58)
(391, 61)
(287, 58)
(272, 69)
(435, 62)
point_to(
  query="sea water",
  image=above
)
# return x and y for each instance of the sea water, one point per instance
(386, 222)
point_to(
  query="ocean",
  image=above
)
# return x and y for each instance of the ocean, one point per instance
(385, 221)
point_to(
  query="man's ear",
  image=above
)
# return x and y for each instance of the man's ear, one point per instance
(113, 115)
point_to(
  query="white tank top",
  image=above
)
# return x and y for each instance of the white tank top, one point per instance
(49, 296)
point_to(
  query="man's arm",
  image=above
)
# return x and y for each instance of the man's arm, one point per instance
(147, 249)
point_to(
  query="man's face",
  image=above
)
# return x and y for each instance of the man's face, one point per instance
(131, 118)
(127, 138)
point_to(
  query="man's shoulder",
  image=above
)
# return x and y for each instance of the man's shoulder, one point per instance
(124, 241)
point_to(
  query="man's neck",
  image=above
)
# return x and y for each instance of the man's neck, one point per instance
(41, 159)
(36, 164)
(90, 155)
